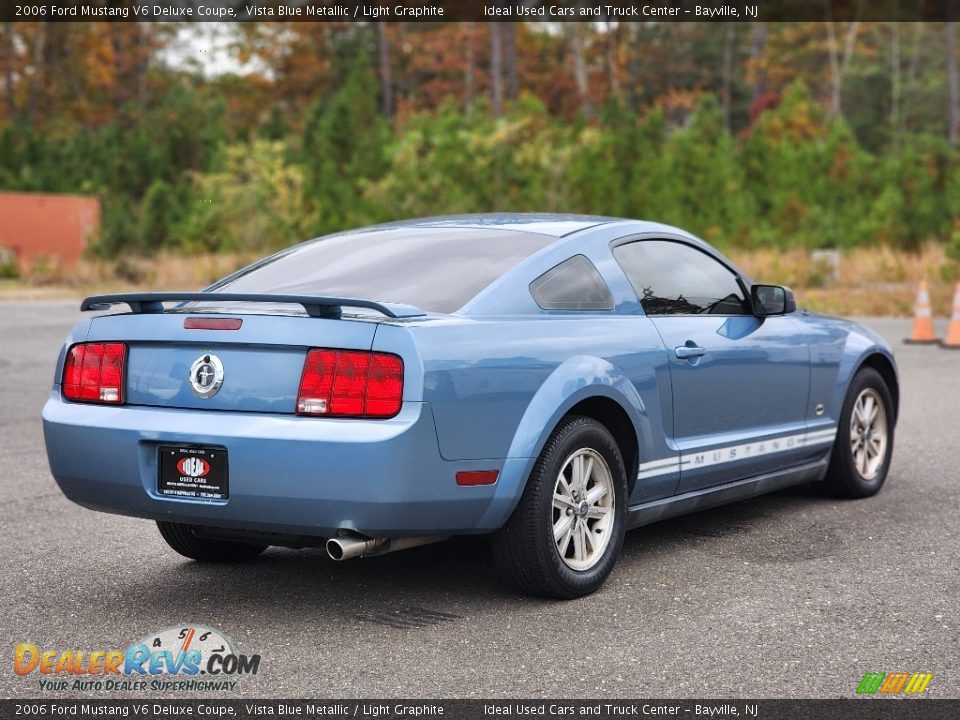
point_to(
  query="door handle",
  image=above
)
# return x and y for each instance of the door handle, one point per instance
(687, 352)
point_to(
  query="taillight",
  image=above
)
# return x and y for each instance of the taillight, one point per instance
(350, 383)
(93, 372)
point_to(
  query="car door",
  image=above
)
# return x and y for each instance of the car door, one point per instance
(739, 382)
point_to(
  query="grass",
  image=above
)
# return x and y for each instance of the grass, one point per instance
(165, 271)
(868, 281)
(875, 281)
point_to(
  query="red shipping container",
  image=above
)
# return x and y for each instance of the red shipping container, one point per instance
(34, 225)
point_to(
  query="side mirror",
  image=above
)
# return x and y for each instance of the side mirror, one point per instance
(772, 300)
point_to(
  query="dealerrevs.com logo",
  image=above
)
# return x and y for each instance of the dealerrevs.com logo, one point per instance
(185, 657)
(894, 683)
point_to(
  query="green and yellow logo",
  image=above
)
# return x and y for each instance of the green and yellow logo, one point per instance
(894, 683)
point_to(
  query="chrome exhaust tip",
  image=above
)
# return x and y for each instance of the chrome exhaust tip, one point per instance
(350, 546)
(347, 547)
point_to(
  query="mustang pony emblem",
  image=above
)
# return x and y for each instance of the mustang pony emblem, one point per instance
(206, 376)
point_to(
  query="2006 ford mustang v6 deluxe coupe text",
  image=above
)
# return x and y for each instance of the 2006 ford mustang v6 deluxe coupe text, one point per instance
(553, 380)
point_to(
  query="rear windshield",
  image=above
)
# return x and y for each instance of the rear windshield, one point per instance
(435, 269)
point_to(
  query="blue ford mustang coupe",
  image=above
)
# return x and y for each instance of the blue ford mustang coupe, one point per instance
(553, 380)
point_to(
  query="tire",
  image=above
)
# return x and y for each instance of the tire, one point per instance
(855, 471)
(527, 556)
(181, 538)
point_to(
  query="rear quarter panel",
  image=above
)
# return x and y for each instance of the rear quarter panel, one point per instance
(498, 386)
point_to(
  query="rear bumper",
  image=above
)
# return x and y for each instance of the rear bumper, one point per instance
(287, 474)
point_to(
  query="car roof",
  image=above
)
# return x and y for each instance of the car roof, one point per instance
(558, 225)
(554, 224)
(510, 244)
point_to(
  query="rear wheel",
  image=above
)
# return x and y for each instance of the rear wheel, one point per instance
(564, 537)
(181, 538)
(864, 446)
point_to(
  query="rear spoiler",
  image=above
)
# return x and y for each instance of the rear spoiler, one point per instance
(316, 306)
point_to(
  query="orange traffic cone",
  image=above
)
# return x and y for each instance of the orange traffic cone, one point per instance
(922, 333)
(952, 340)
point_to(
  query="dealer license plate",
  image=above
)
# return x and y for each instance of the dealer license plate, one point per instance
(193, 472)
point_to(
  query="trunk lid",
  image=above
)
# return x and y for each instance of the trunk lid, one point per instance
(262, 360)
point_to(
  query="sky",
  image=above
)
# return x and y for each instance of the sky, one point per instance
(205, 46)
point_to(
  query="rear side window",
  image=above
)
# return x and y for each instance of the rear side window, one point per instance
(574, 284)
(672, 278)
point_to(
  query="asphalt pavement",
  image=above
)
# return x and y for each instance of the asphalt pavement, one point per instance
(788, 595)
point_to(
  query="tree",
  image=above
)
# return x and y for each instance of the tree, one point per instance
(255, 201)
(953, 80)
(838, 63)
(383, 65)
(338, 160)
(159, 215)
(728, 47)
(611, 35)
(789, 133)
(9, 58)
(509, 34)
(580, 75)
(299, 59)
(469, 70)
(496, 69)
(758, 42)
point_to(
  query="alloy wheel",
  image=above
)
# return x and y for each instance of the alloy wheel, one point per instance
(868, 433)
(583, 509)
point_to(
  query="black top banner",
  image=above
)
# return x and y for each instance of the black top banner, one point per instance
(477, 10)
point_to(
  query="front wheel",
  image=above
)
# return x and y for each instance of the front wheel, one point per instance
(182, 539)
(864, 445)
(564, 537)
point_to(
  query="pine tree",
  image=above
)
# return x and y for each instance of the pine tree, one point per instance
(343, 149)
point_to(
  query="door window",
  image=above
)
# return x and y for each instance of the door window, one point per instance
(673, 278)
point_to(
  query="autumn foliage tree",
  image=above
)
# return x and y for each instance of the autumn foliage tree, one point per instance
(829, 134)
